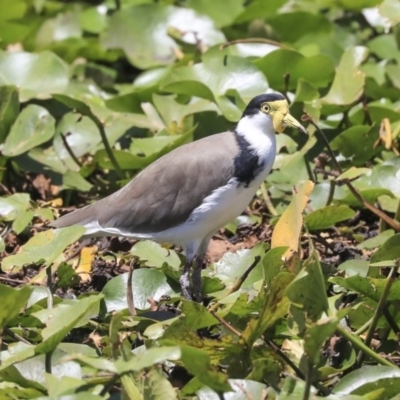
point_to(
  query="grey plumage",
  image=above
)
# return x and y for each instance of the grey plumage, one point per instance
(164, 194)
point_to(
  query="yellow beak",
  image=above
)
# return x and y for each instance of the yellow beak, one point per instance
(291, 122)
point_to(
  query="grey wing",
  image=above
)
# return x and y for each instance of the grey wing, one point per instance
(166, 192)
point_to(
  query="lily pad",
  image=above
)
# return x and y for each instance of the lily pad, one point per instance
(36, 75)
(149, 44)
(33, 126)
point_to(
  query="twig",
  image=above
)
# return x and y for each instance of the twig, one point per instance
(5, 279)
(69, 150)
(377, 314)
(393, 224)
(15, 336)
(225, 323)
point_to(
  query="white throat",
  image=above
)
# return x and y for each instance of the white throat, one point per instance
(259, 132)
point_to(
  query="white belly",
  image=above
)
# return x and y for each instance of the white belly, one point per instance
(221, 207)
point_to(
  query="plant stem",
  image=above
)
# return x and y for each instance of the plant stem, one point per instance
(332, 186)
(377, 314)
(129, 289)
(69, 150)
(47, 359)
(356, 342)
(307, 389)
(268, 201)
(107, 146)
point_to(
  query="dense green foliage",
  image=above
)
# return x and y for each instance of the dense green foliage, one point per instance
(91, 92)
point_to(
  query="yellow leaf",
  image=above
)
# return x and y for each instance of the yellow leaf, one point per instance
(57, 202)
(287, 230)
(85, 263)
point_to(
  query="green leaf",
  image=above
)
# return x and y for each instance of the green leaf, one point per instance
(305, 91)
(145, 283)
(74, 180)
(308, 290)
(390, 9)
(147, 358)
(157, 387)
(233, 265)
(198, 364)
(33, 126)
(355, 267)
(366, 379)
(62, 318)
(37, 75)
(75, 104)
(9, 109)
(384, 176)
(317, 69)
(222, 13)
(275, 306)
(328, 216)
(12, 300)
(369, 287)
(390, 250)
(353, 173)
(215, 78)
(154, 255)
(67, 277)
(384, 46)
(126, 160)
(357, 143)
(316, 336)
(288, 28)
(80, 133)
(370, 195)
(149, 44)
(252, 390)
(12, 206)
(349, 80)
(273, 263)
(259, 9)
(44, 246)
(197, 316)
(376, 241)
(22, 220)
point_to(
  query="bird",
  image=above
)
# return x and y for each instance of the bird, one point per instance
(187, 195)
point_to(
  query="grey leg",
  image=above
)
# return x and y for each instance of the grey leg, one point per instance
(196, 279)
(196, 274)
(184, 280)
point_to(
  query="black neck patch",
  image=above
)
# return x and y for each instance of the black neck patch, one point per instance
(247, 163)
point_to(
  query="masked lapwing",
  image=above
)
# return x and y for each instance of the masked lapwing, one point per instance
(186, 196)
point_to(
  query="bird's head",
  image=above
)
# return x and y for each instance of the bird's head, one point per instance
(275, 107)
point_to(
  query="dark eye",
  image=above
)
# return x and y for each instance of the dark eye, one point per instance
(265, 108)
